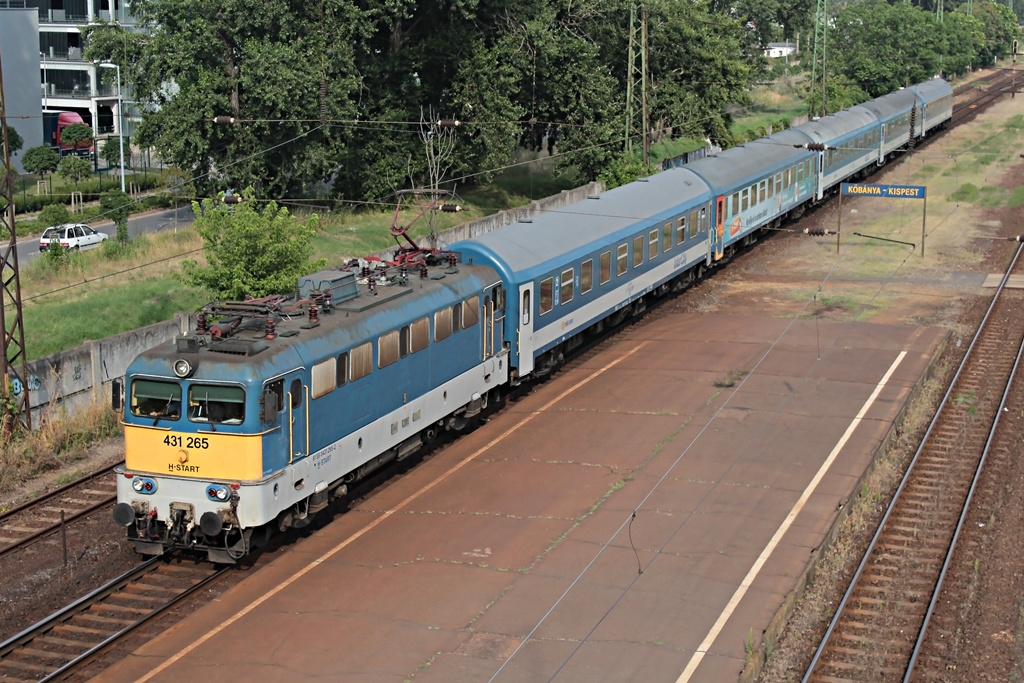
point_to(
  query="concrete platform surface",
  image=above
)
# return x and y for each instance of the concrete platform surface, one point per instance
(640, 517)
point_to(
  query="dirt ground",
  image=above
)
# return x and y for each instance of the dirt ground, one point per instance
(880, 272)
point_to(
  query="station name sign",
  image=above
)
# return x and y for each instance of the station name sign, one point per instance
(891, 191)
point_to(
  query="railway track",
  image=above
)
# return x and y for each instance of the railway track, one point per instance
(882, 620)
(45, 515)
(70, 638)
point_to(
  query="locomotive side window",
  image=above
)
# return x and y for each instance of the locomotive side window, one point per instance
(620, 259)
(387, 349)
(470, 311)
(403, 341)
(324, 376)
(638, 251)
(666, 237)
(442, 324)
(341, 370)
(218, 403)
(566, 290)
(547, 295)
(606, 268)
(587, 276)
(360, 361)
(456, 317)
(420, 335)
(151, 398)
(652, 244)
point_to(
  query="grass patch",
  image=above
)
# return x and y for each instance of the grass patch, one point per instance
(1016, 197)
(992, 197)
(965, 193)
(59, 442)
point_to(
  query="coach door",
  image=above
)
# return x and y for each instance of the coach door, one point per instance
(525, 336)
(494, 319)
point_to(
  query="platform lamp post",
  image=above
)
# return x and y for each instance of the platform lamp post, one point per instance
(120, 114)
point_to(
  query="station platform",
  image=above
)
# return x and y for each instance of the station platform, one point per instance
(639, 517)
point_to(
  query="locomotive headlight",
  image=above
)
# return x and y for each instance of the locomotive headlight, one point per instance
(218, 493)
(144, 485)
(182, 368)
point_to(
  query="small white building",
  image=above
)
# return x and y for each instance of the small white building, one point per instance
(779, 50)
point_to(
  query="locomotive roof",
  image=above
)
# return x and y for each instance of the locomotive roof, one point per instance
(566, 233)
(297, 341)
(738, 166)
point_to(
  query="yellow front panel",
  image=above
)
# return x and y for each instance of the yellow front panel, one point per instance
(202, 456)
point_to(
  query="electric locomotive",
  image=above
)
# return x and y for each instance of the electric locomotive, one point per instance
(271, 407)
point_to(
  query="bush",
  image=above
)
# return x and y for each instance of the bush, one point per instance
(90, 189)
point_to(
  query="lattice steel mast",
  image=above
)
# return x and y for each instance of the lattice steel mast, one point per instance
(820, 31)
(636, 80)
(14, 391)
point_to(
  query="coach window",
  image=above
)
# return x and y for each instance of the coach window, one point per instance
(753, 195)
(470, 311)
(547, 295)
(693, 224)
(341, 370)
(799, 171)
(323, 377)
(638, 251)
(680, 231)
(666, 237)
(620, 259)
(587, 276)
(771, 186)
(744, 199)
(151, 398)
(442, 324)
(778, 182)
(219, 403)
(387, 349)
(606, 267)
(652, 244)
(762, 191)
(786, 177)
(703, 220)
(566, 290)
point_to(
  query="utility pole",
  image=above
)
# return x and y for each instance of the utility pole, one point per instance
(636, 85)
(820, 31)
(13, 329)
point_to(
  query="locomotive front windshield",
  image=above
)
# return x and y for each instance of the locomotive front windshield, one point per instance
(153, 398)
(216, 403)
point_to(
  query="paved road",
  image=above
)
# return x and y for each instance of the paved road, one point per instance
(140, 224)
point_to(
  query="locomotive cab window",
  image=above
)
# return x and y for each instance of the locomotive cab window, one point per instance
(273, 400)
(151, 398)
(218, 403)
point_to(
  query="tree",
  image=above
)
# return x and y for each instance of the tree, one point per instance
(76, 136)
(74, 169)
(117, 206)
(54, 214)
(179, 187)
(111, 152)
(249, 250)
(40, 160)
(15, 140)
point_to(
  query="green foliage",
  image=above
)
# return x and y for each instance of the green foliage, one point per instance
(14, 139)
(77, 135)
(624, 170)
(54, 214)
(74, 168)
(250, 251)
(57, 258)
(111, 152)
(40, 160)
(117, 206)
(91, 190)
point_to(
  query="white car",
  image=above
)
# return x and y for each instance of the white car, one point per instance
(72, 236)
